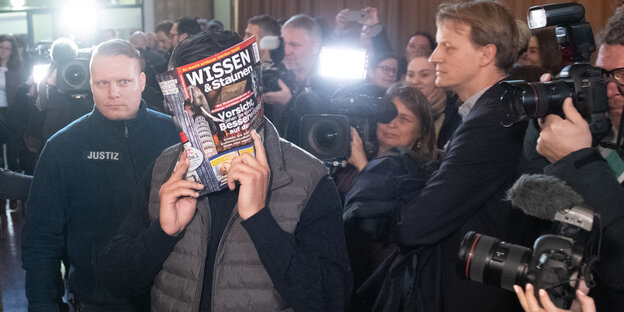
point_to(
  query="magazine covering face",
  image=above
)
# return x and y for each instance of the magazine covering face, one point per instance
(216, 102)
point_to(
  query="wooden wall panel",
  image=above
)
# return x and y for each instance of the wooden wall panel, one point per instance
(400, 17)
(175, 9)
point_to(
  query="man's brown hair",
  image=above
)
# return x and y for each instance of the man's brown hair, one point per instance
(490, 23)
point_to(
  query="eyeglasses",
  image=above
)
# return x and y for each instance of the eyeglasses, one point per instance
(388, 69)
(616, 74)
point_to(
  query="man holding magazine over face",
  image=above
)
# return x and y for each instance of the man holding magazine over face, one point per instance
(266, 237)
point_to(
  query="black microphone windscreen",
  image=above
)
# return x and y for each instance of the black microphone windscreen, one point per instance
(542, 196)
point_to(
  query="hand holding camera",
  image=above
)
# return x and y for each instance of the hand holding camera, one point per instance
(585, 84)
(582, 303)
(281, 97)
(366, 16)
(370, 17)
(556, 259)
(560, 137)
(357, 157)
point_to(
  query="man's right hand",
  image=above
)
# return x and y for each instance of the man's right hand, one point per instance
(560, 137)
(281, 97)
(178, 199)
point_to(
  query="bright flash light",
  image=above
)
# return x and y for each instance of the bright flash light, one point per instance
(537, 18)
(80, 17)
(39, 71)
(17, 3)
(342, 64)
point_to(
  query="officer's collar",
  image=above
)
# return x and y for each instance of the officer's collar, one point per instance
(141, 113)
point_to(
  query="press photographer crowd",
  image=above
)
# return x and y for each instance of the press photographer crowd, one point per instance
(480, 169)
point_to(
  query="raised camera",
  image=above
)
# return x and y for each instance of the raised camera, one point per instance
(585, 84)
(554, 264)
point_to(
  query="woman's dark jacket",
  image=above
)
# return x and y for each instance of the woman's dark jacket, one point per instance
(381, 187)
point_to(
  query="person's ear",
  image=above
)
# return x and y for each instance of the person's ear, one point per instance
(488, 54)
(142, 81)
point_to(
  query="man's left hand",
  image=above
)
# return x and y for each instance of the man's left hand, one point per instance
(560, 137)
(253, 175)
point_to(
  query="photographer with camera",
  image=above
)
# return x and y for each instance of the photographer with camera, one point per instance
(566, 143)
(405, 159)
(371, 35)
(262, 26)
(60, 107)
(302, 46)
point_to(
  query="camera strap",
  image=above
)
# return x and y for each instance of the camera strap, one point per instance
(592, 255)
(618, 143)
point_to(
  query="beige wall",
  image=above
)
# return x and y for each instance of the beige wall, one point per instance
(175, 9)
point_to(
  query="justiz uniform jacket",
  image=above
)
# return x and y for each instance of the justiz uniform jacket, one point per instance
(81, 193)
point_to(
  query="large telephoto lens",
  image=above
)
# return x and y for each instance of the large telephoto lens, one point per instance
(327, 136)
(488, 260)
(536, 100)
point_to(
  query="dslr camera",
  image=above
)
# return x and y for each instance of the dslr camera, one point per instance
(554, 263)
(277, 70)
(585, 84)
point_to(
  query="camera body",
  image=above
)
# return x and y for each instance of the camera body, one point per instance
(73, 77)
(356, 16)
(271, 75)
(554, 263)
(328, 136)
(277, 70)
(582, 82)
